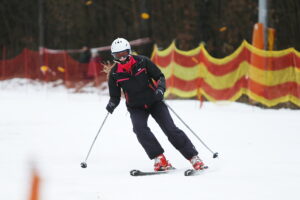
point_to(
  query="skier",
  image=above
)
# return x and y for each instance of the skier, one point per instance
(143, 85)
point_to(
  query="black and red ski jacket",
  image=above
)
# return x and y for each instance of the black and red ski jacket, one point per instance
(138, 84)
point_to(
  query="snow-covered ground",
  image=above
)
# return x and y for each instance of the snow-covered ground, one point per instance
(54, 128)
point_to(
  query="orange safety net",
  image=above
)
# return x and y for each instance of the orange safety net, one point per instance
(48, 67)
(267, 77)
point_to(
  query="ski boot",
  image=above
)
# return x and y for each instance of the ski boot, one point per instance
(197, 163)
(161, 164)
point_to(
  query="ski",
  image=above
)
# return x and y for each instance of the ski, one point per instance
(192, 172)
(188, 172)
(136, 172)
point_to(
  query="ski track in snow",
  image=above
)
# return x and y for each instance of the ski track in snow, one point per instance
(53, 128)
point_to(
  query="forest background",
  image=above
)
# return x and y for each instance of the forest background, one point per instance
(221, 25)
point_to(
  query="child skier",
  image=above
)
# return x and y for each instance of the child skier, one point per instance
(134, 75)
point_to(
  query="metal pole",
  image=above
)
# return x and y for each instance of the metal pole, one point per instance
(41, 30)
(263, 18)
(83, 164)
(215, 154)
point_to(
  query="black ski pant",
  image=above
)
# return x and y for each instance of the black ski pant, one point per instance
(159, 111)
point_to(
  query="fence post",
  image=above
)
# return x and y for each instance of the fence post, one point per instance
(26, 63)
(66, 70)
(3, 62)
(200, 80)
(172, 69)
(255, 60)
(46, 63)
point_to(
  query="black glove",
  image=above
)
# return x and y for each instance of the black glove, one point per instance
(110, 107)
(159, 93)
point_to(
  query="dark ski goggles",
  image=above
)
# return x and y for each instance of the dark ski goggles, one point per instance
(119, 55)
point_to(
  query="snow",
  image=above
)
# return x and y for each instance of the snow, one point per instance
(52, 129)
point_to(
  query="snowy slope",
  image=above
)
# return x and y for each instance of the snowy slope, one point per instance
(54, 128)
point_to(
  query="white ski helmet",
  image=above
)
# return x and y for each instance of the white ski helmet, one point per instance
(119, 45)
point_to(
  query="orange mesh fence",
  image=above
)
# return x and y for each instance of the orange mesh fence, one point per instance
(49, 67)
(273, 78)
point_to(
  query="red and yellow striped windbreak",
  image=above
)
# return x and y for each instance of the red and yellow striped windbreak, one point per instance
(267, 77)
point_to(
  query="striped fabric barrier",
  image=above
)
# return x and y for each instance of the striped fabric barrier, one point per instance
(266, 77)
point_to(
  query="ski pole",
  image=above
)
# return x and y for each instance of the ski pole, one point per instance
(215, 154)
(83, 164)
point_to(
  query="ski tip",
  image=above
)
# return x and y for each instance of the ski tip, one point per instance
(191, 172)
(188, 172)
(134, 172)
